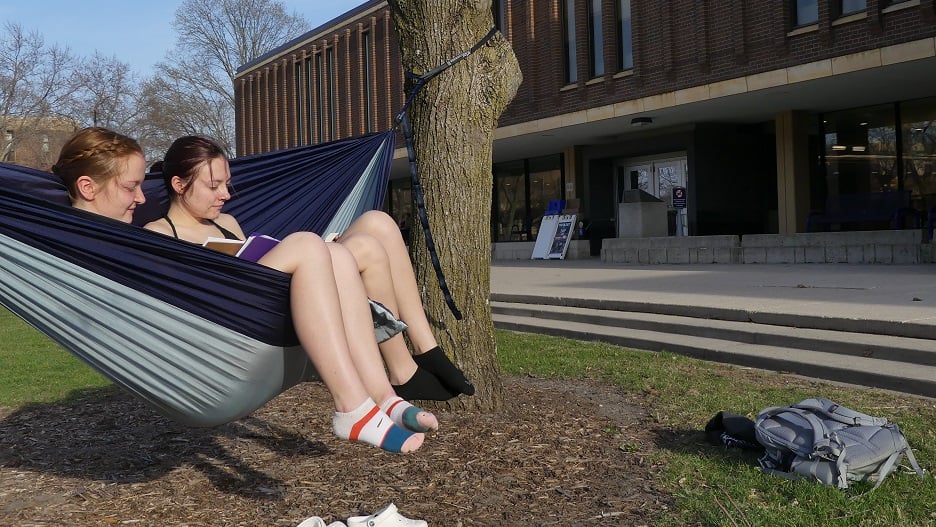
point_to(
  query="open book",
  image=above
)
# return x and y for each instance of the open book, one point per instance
(252, 249)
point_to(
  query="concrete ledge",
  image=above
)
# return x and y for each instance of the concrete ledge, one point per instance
(857, 247)
(672, 250)
(578, 250)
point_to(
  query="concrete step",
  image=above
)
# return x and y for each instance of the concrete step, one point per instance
(886, 347)
(906, 328)
(737, 345)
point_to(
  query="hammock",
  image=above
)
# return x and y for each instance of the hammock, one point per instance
(202, 337)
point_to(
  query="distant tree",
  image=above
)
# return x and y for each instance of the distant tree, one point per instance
(106, 94)
(453, 123)
(193, 90)
(36, 94)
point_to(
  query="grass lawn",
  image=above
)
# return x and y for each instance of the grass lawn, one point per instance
(712, 485)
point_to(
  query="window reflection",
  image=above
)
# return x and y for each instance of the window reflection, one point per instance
(861, 151)
(522, 192)
(880, 149)
(919, 151)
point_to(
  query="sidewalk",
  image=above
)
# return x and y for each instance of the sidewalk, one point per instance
(891, 299)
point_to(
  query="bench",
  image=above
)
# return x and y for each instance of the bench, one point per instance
(870, 207)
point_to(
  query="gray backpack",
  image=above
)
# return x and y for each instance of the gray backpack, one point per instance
(823, 441)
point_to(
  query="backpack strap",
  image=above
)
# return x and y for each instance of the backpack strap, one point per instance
(840, 413)
(821, 437)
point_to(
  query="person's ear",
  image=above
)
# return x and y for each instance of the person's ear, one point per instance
(86, 187)
(177, 185)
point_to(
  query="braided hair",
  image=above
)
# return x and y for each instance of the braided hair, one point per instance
(95, 152)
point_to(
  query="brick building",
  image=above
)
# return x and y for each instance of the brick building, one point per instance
(34, 141)
(759, 109)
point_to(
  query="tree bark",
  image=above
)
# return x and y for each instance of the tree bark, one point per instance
(453, 120)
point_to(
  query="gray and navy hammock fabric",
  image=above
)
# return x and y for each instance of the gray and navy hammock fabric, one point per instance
(202, 337)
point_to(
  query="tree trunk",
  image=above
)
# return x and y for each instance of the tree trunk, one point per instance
(453, 120)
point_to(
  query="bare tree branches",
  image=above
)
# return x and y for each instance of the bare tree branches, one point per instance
(190, 92)
(215, 37)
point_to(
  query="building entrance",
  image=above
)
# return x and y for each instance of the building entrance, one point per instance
(658, 177)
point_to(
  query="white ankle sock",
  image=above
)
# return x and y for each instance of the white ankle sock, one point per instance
(368, 423)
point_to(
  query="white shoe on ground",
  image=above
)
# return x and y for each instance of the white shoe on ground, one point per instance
(315, 521)
(386, 517)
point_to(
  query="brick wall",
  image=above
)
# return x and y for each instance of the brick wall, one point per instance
(677, 44)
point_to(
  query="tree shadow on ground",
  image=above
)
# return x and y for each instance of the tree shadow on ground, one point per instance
(107, 435)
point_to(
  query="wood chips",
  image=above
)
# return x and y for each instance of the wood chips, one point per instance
(563, 453)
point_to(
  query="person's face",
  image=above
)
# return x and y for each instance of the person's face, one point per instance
(118, 197)
(209, 191)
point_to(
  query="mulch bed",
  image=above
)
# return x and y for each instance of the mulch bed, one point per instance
(560, 453)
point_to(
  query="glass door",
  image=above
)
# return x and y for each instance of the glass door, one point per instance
(668, 174)
(657, 177)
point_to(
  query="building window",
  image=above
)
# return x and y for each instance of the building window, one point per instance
(320, 96)
(568, 23)
(522, 191)
(595, 40)
(861, 151)
(297, 91)
(850, 7)
(625, 36)
(368, 82)
(8, 152)
(918, 152)
(310, 101)
(805, 12)
(332, 86)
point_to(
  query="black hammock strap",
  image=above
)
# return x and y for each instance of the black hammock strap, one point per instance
(402, 119)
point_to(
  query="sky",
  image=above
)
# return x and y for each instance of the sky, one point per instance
(138, 33)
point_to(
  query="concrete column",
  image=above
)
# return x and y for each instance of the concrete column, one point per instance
(792, 171)
(572, 170)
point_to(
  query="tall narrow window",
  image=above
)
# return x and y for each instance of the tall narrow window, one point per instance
(310, 101)
(332, 86)
(368, 82)
(568, 22)
(625, 36)
(320, 93)
(595, 40)
(805, 12)
(297, 91)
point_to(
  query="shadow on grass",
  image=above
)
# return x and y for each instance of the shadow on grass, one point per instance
(105, 434)
(695, 443)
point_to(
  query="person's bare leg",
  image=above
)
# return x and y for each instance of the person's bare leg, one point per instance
(319, 324)
(405, 293)
(409, 381)
(359, 328)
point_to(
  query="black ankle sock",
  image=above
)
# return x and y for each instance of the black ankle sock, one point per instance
(424, 386)
(436, 362)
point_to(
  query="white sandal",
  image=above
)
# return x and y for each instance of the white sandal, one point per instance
(386, 517)
(315, 521)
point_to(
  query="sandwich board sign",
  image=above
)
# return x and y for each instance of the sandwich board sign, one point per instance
(547, 230)
(562, 236)
(544, 237)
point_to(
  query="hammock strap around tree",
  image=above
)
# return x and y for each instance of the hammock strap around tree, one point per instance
(402, 119)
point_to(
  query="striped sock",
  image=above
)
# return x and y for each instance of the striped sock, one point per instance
(369, 424)
(408, 416)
